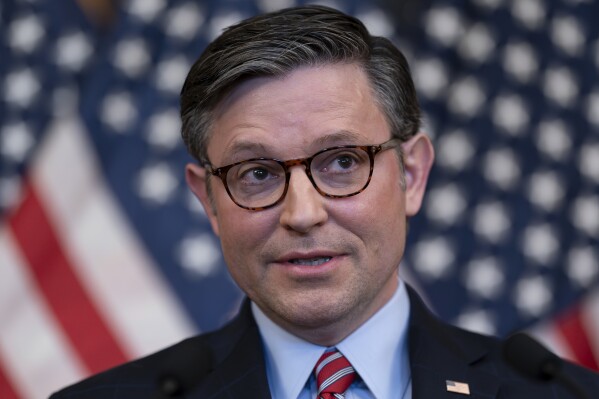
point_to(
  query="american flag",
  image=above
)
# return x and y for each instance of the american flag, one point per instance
(106, 256)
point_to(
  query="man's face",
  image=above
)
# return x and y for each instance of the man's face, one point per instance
(319, 267)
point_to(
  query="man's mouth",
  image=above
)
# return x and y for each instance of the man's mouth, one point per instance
(311, 261)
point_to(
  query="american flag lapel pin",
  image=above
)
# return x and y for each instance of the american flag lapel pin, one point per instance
(457, 387)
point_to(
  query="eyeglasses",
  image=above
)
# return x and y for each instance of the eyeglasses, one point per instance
(336, 172)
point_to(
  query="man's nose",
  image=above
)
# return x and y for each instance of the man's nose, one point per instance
(303, 206)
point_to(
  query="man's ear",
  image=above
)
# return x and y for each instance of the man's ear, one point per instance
(418, 159)
(196, 176)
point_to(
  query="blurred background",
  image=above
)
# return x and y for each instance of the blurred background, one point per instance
(106, 256)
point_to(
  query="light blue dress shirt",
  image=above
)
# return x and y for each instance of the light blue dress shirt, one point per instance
(378, 351)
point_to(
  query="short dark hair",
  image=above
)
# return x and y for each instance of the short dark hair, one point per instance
(275, 44)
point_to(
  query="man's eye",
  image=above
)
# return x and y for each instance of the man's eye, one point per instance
(257, 173)
(341, 162)
(345, 161)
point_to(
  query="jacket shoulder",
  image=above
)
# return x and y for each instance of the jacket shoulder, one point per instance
(440, 351)
(176, 367)
(141, 377)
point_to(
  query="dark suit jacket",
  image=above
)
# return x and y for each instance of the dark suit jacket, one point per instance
(229, 363)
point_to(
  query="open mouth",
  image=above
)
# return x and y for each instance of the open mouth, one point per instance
(311, 262)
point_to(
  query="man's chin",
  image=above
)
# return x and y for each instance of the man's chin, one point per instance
(317, 313)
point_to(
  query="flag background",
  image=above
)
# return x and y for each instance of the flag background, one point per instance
(106, 256)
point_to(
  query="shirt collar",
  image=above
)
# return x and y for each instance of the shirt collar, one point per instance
(378, 350)
(290, 360)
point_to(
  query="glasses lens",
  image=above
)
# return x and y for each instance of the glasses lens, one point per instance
(256, 183)
(341, 171)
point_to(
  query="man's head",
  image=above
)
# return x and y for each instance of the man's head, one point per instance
(277, 43)
(286, 86)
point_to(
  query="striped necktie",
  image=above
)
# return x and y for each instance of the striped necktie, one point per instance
(334, 374)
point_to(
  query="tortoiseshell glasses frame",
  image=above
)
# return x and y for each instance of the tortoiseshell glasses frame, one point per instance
(268, 192)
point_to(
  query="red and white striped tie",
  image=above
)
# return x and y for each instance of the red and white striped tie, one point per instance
(334, 374)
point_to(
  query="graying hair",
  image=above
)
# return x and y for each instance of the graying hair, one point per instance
(274, 44)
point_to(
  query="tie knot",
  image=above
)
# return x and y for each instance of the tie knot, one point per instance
(334, 374)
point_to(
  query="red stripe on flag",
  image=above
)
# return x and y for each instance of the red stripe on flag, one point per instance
(6, 389)
(570, 326)
(51, 268)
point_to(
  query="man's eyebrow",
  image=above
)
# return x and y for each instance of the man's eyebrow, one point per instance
(244, 146)
(339, 137)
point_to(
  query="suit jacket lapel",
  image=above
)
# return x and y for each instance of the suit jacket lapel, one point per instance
(243, 370)
(439, 354)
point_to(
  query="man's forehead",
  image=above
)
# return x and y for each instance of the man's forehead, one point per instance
(318, 72)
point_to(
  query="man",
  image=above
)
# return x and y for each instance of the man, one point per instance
(310, 162)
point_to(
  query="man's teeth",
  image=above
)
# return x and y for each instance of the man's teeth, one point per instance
(310, 262)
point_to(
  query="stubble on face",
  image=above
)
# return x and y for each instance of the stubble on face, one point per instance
(364, 233)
